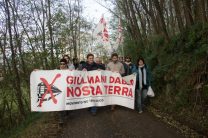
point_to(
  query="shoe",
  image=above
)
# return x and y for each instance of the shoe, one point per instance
(140, 112)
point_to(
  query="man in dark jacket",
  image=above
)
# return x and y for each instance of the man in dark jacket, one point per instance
(89, 66)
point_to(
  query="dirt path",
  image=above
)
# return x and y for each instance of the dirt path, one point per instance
(122, 123)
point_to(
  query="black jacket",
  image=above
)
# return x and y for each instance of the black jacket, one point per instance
(90, 67)
(101, 66)
(128, 68)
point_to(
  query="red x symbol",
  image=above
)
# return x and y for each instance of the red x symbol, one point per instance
(49, 90)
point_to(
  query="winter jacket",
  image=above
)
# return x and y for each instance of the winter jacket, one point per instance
(90, 67)
(128, 68)
(148, 74)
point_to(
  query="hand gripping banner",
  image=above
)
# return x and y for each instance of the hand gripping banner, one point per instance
(57, 90)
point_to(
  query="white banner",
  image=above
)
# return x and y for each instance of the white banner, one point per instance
(56, 90)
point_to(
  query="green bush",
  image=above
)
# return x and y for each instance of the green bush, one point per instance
(178, 68)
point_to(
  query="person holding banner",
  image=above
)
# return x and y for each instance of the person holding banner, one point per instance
(76, 63)
(89, 66)
(63, 66)
(142, 83)
(99, 63)
(115, 66)
(69, 64)
(81, 64)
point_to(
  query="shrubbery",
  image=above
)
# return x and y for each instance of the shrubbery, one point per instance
(180, 75)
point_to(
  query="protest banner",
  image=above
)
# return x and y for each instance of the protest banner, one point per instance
(56, 90)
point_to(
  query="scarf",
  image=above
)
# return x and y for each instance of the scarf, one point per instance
(140, 76)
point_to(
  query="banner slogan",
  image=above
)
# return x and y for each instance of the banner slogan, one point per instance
(57, 90)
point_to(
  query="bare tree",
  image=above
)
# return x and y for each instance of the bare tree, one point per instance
(16, 82)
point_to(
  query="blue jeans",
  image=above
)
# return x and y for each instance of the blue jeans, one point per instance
(93, 109)
(140, 97)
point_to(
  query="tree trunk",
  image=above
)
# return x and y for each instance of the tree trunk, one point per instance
(16, 82)
(203, 10)
(187, 12)
(151, 14)
(50, 34)
(45, 53)
(161, 19)
(142, 20)
(134, 20)
(129, 23)
(178, 15)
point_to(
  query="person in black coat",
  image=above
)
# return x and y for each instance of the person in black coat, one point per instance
(100, 64)
(89, 66)
(76, 63)
(128, 66)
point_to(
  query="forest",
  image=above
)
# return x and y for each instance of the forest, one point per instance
(171, 35)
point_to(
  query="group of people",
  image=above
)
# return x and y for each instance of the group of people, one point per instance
(125, 68)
